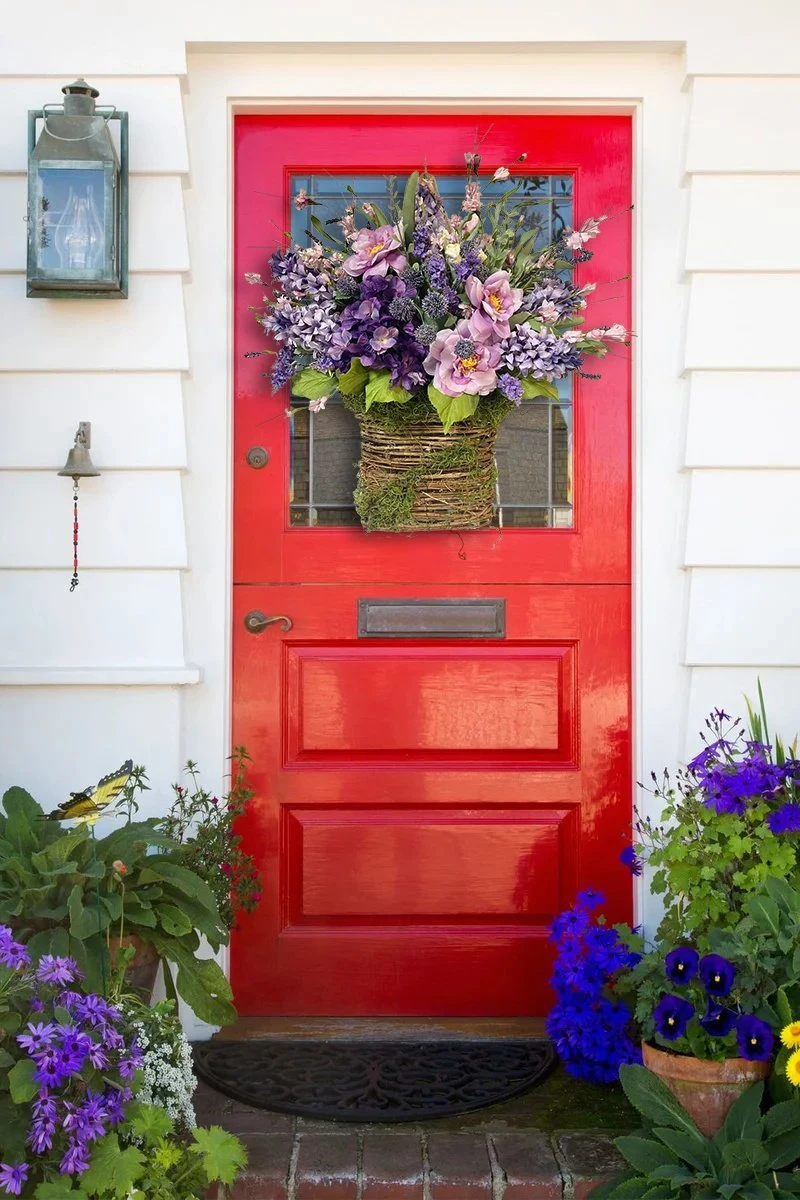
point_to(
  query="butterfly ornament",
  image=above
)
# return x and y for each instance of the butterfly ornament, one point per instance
(88, 805)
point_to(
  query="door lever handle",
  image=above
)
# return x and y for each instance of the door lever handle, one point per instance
(257, 622)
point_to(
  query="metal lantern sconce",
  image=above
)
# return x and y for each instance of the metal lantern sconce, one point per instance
(77, 199)
(78, 466)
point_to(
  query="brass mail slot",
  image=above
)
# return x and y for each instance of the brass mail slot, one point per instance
(431, 618)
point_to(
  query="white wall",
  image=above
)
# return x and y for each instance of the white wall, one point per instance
(136, 661)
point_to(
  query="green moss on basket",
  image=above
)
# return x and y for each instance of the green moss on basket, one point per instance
(490, 412)
(390, 505)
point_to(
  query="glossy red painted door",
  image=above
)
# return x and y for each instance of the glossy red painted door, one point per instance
(425, 806)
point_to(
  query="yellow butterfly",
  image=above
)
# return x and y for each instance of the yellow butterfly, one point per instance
(87, 805)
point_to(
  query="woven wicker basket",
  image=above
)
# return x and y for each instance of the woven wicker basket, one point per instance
(420, 478)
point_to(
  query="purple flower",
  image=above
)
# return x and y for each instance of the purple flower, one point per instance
(494, 301)
(39, 1037)
(510, 387)
(785, 819)
(716, 974)
(539, 353)
(590, 899)
(671, 1015)
(12, 954)
(76, 1158)
(754, 1038)
(717, 1020)
(562, 295)
(383, 338)
(681, 964)
(12, 1179)
(629, 859)
(436, 270)
(283, 368)
(52, 969)
(454, 376)
(376, 251)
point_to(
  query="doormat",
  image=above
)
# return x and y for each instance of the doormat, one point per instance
(373, 1080)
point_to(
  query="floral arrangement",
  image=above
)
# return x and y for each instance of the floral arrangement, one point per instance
(459, 311)
(589, 1026)
(167, 1075)
(203, 826)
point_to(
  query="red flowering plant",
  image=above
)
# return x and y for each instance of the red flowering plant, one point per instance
(204, 826)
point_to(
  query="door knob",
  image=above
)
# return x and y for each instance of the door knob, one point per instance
(256, 622)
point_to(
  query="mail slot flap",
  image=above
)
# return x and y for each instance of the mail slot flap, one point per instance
(432, 618)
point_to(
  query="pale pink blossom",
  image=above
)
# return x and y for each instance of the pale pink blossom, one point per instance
(471, 223)
(348, 223)
(494, 301)
(500, 174)
(375, 252)
(573, 335)
(473, 375)
(590, 228)
(252, 277)
(316, 406)
(608, 333)
(548, 312)
(472, 197)
(302, 200)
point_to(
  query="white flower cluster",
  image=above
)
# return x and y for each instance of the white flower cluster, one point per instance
(168, 1078)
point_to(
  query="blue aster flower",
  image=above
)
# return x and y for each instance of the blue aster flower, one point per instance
(754, 1038)
(629, 858)
(671, 1015)
(785, 819)
(716, 974)
(681, 964)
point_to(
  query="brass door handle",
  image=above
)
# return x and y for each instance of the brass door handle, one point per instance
(257, 622)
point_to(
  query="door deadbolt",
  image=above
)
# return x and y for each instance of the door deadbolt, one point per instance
(257, 457)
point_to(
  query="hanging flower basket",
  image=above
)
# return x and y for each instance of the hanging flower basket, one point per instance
(428, 323)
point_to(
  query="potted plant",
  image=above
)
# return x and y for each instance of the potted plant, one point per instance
(431, 326)
(66, 892)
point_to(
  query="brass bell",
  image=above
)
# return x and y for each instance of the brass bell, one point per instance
(79, 463)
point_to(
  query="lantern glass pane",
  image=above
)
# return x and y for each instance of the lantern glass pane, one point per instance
(72, 219)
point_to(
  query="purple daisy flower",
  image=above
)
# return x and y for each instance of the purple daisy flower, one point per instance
(785, 819)
(53, 969)
(12, 1179)
(629, 859)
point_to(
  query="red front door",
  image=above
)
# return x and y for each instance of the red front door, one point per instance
(427, 802)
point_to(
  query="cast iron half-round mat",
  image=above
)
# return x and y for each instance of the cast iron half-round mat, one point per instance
(363, 1080)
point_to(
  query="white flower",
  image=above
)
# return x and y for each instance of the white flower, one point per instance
(500, 174)
(453, 251)
(573, 335)
(548, 312)
(252, 277)
(574, 239)
(316, 406)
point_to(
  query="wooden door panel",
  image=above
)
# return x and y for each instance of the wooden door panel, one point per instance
(398, 851)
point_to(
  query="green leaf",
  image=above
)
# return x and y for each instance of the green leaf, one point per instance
(59, 1189)
(354, 380)
(653, 1099)
(326, 235)
(783, 1149)
(149, 1121)
(747, 1154)
(783, 894)
(744, 1117)
(85, 920)
(21, 1083)
(173, 920)
(313, 385)
(223, 1155)
(409, 197)
(783, 1007)
(631, 1188)
(782, 1117)
(183, 879)
(644, 1154)
(25, 825)
(766, 912)
(690, 1147)
(538, 387)
(202, 984)
(379, 390)
(755, 1191)
(113, 1171)
(451, 408)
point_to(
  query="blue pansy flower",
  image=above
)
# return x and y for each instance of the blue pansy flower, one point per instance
(717, 974)
(717, 1020)
(681, 964)
(755, 1038)
(672, 1014)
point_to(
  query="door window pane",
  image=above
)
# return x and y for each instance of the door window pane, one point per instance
(534, 445)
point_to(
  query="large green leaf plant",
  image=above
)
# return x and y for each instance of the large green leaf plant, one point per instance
(65, 892)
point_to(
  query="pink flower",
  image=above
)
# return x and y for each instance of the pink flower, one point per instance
(494, 301)
(607, 333)
(302, 199)
(316, 406)
(459, 363)
(226, 868)
(500, 174)
(375, 251)
(472, 197)
(548, 312)
(589, 229)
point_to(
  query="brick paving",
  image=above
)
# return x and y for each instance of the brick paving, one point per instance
(291, 1158)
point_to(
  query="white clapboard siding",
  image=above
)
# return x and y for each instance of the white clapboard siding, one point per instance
(60, 739)
(743, 223)
(727, 328)
(744, 518)
(127, 519)
(158, 134)
(137, 419)
(157, 225)
(744, 617)
(45, 625)
(744, 124)
(744, 419)
(726, 688)
(146, 332)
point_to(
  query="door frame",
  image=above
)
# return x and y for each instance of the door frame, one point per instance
(643, 85)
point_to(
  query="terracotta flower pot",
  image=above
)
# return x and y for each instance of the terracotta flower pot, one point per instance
(143, 967)
(705, 1089)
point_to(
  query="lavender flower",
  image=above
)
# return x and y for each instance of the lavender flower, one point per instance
(510, 387)
(538, 353)
(56, 970)
(12, 954)
(562, 295)
(12, 1179)
(785, 819)
(436, 271)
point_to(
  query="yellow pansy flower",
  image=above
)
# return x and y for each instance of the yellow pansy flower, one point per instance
(793, 1068)
(790, 1035)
